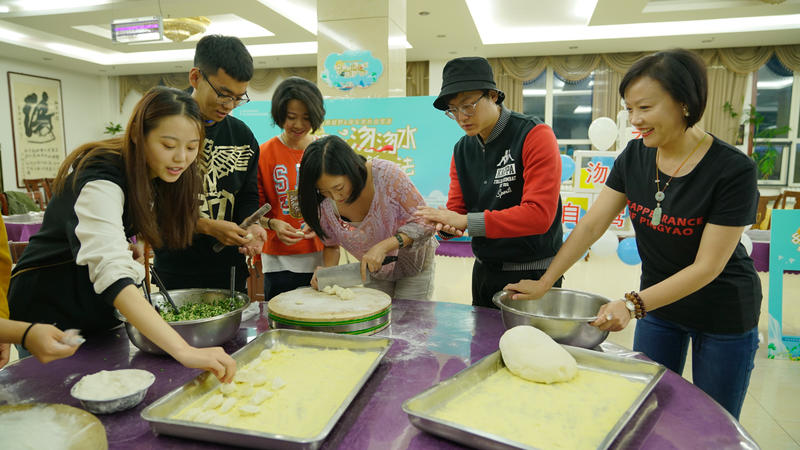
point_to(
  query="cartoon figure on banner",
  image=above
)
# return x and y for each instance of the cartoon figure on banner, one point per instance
(38, 121)
(353, 68)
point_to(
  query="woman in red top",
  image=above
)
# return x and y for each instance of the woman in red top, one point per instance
(288, 258)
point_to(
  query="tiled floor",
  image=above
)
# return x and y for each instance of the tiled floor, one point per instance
(771, 411)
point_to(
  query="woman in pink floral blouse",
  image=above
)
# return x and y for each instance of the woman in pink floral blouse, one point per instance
(368, 208)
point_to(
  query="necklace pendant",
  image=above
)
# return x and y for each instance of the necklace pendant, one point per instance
(656, 220)
(659, 196)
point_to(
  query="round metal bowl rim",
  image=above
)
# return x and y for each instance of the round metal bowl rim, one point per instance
(507, 308)
(206, 319)
(152, 380)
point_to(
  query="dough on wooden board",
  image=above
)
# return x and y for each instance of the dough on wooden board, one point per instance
(531, 354)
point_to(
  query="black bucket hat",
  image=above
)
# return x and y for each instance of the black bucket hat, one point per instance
(470, 73)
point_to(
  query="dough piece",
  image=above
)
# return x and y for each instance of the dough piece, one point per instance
(245, 390)
(278, 383)
(249, 410)
(531, 354)
(214, 401)
(258, 379)
(260, 396)
(204, 417)
(227, 388)
(242, 376)
(346, 294)
(191, 414)
(227, 404)
(329, 289)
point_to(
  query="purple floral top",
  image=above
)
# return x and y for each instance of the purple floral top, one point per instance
(395, 201)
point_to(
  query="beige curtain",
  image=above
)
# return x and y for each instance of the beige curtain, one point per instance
(507, 83)
(724, 86)
(605, 96)
(574, 67)
(417, 78)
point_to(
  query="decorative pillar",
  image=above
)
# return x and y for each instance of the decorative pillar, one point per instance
(361, 48)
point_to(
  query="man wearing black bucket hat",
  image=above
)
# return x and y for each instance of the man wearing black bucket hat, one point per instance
(505, 178)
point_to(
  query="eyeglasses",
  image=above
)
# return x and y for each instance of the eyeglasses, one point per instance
(225, 100)
(467, 110)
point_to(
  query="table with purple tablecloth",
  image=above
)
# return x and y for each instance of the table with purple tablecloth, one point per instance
(431, 342)
(20, 227)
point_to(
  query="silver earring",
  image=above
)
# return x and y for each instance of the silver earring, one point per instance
(685, 112)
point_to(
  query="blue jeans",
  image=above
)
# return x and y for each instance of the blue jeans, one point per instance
(721, 363)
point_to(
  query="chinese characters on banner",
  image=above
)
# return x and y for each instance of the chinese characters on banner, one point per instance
(37, 123)
(591, 172)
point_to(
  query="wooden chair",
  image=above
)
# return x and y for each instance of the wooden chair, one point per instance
(255, 282)
(16, 249)
(3, 203)
(794, 194)
(39, 190)
(762, 223)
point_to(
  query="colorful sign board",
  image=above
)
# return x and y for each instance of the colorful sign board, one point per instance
(351, 69)
(406, 130)
(784, 254)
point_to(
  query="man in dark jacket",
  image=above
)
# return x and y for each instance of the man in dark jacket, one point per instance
(505, 179)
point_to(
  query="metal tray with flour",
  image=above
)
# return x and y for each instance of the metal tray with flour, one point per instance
(161, 412)
(421, 408)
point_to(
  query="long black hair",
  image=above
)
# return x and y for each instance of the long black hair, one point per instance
(329, 155)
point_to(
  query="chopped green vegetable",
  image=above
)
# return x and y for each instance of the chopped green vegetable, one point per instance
(194, 311)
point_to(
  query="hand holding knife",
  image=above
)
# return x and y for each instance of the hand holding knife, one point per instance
(250, 220)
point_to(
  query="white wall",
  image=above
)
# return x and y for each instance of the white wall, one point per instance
(86, 109)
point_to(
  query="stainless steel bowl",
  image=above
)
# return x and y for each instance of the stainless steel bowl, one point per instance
(563, 314)
(208, 332)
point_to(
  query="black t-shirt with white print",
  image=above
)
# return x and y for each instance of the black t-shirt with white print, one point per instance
(721, 190)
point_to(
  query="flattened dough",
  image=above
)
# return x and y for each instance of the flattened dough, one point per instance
(319, 306)
(531, 354)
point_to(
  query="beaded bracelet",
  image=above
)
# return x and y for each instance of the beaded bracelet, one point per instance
(637, 301)
(25, 335)
(400, 240)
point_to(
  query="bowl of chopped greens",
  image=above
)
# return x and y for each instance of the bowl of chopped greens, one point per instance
(205, 317)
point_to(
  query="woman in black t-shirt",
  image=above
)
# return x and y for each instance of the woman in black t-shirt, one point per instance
(690, 197)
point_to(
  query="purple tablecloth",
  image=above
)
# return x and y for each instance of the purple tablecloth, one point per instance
(22, 232)
(432, 341)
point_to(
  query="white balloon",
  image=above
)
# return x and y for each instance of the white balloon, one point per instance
(603, 133)
(747, 242)
(605, 246)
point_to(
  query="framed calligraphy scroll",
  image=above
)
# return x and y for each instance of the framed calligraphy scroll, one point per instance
(37, 123)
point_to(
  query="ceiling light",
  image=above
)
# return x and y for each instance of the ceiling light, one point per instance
(582, 109)
(77, 52)
(8, 35)
(179, 29)
(534, 92)
(774, 84)
(43, 5)
(4, 9)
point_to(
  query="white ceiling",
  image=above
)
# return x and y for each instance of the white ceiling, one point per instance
(74, 33)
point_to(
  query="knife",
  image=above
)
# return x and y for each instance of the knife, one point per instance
(251, 219)
(345, 275)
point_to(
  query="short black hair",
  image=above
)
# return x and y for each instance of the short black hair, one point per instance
(296, 88)
(680, 72)
(216, 51)
(329, 155)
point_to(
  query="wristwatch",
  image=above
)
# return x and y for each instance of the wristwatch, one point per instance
(631, 308)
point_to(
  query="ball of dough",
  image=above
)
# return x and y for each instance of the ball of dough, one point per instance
(531, 354)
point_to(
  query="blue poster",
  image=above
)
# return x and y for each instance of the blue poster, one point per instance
(406, 130)
(784, 254)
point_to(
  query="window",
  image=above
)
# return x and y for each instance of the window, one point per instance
(533, 96)
(773, 101)
(565, 106)
(572, 107)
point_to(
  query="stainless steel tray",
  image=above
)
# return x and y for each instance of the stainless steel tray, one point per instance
(159, 412)
(420, 408)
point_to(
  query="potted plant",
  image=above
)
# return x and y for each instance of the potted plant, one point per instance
(762, 137)
(113, 129)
